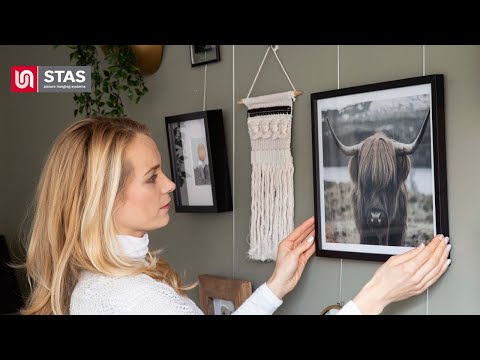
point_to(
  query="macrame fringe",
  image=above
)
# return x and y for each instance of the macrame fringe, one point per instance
(272, 209)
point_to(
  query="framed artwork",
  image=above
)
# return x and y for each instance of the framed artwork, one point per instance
(379, 168)
(221, 295)
(204, 54)
(199, 162)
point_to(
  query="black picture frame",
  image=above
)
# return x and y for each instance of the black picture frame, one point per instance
(398, 108)
(199, 162)
(204, 54)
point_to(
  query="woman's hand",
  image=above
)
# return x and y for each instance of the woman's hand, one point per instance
(403, 276)
(292, 256)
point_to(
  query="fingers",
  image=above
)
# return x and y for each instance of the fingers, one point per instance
(437, 270)
(411, 253)
(303, 236)
(433, 265)
(308, 254)
(305, 256)
(305, 245)
(424, 254)
(398, 259)
(300, 229)
(434, 279)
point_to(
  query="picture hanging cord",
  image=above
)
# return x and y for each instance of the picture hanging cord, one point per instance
(233, 170)
(423, 73)
(274, 49)
(340, 295)
(204, 87)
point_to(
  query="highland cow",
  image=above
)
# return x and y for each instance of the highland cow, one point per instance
(378, 168)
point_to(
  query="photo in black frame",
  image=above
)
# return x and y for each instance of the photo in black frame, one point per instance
(199, 162)
(380, 178)
(204, 54)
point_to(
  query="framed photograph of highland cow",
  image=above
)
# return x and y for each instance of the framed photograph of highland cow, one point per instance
(379, 168)
(198, 161)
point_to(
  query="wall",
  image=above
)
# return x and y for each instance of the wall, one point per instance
(217, 243)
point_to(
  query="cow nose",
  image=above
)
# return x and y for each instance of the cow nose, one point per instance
(377, 217)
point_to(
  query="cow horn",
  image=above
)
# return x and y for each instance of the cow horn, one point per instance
(347, 150)
(407, 149)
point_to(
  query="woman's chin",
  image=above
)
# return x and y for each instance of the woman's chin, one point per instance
(164, 221)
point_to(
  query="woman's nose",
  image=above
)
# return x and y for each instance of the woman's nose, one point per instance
(169, 186)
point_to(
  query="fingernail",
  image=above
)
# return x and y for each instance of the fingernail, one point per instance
(440, 236)
(449, 261)
(447, 239)
(310, 239)
(421, 246)
(449, 247)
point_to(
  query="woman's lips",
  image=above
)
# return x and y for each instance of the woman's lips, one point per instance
(166, 207)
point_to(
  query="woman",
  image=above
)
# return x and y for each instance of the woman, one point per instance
(100, 193)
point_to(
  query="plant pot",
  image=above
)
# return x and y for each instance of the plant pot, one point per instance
(149, 57)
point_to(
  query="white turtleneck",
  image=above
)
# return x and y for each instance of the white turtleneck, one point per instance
(98, 294)
(133, 247)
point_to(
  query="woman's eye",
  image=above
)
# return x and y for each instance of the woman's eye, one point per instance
(153, 178)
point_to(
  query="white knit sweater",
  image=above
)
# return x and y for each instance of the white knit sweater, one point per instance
(97, 294)
(104, 295)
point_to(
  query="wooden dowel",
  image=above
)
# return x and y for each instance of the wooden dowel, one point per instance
(295, 93)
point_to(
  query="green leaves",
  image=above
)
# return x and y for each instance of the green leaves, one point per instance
(120, 76)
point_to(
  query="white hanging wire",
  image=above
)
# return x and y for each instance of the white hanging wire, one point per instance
(274, 49)
(338, 66)
(423, 73)
(233, 170)
(285, 71)
(423, 60)
(340, 295)
(204, 87)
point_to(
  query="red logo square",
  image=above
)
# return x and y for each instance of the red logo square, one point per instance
(24, 78)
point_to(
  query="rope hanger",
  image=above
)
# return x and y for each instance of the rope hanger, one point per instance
(274, 48)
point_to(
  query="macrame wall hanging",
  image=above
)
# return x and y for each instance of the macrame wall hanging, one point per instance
(269, 120)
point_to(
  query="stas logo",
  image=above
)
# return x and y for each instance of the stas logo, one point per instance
(51, 78)
(24, 78)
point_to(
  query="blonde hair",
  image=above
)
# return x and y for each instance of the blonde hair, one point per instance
(72, 227)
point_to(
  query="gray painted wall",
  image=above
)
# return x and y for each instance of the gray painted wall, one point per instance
(216, 243)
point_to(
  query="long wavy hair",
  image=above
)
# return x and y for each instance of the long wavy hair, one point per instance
(73, 225)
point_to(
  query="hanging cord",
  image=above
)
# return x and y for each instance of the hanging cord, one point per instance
(284, 71)
(274, 49)
(204, 87)
(423, 60)
(233, 170)
(340, 295)
(423, 73)
(338, 66)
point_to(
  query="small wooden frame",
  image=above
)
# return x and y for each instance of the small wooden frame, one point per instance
(213, 287)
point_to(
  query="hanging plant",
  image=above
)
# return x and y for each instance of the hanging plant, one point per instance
(118, 77)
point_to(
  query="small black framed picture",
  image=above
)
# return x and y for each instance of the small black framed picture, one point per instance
(204, 54)
(379, 168)
(199, 162)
